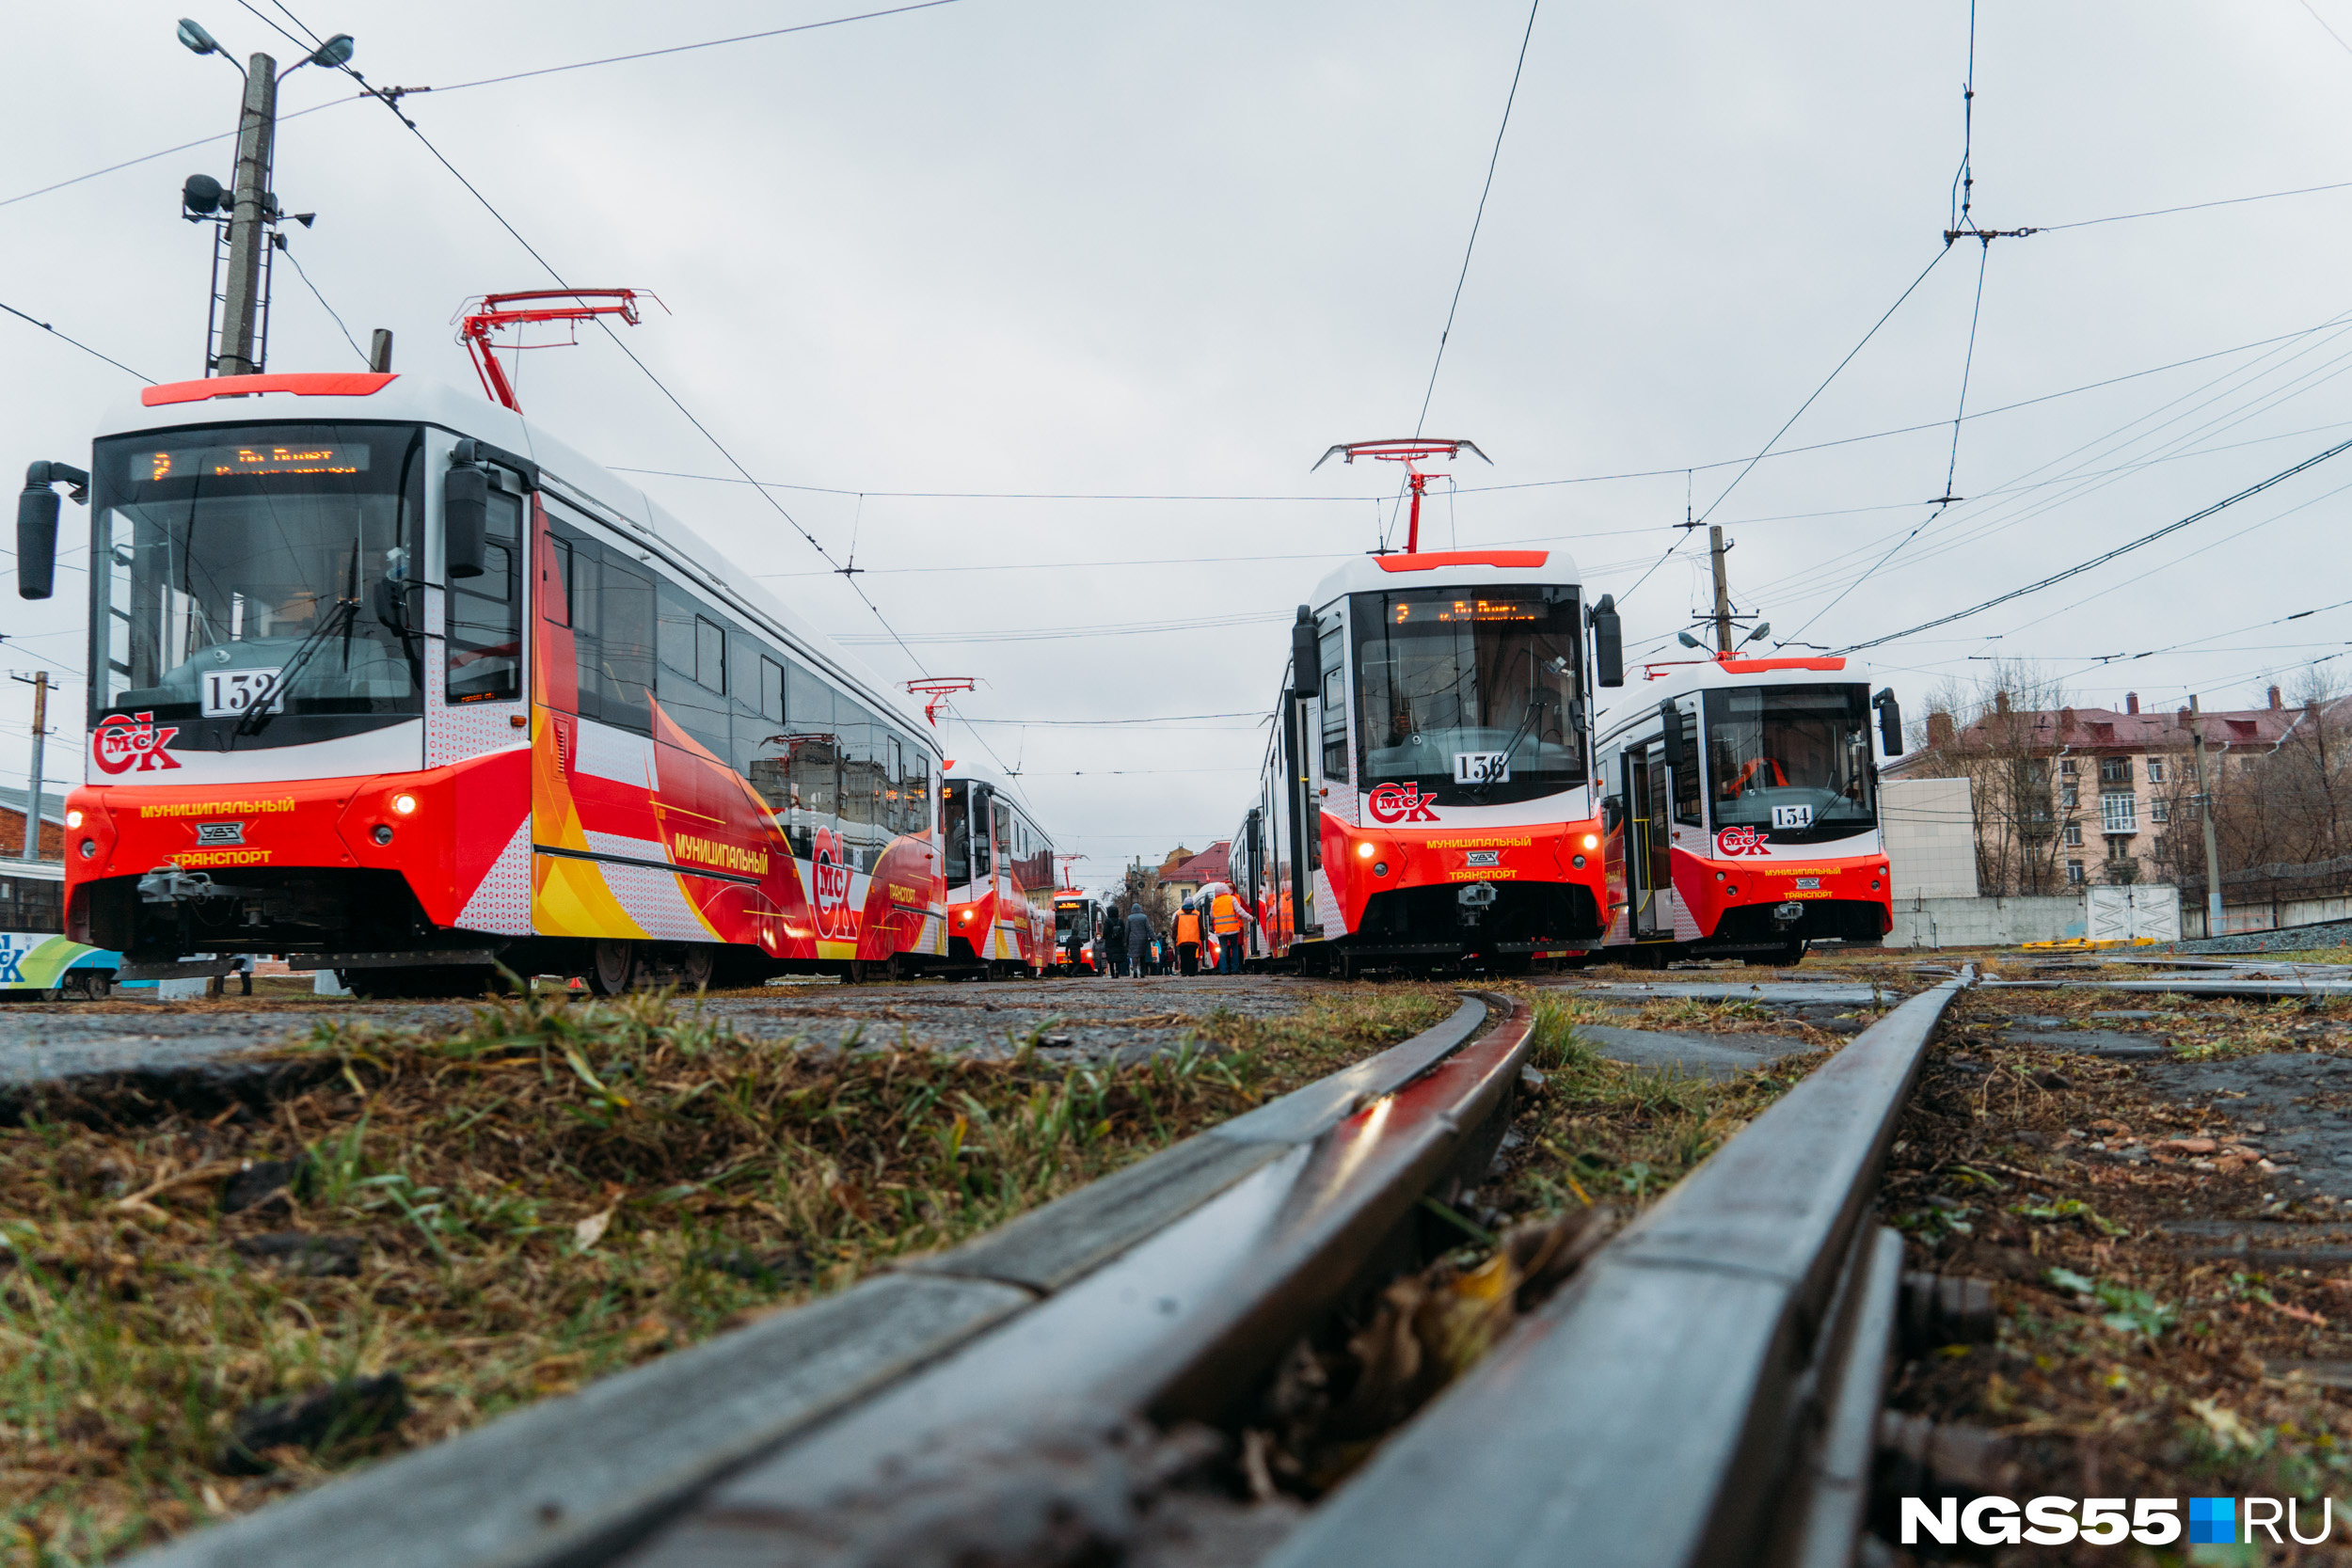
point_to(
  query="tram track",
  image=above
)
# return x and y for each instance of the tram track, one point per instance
(1103, 1374)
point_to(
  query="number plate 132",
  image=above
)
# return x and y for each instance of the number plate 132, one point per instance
(230, 693)
(1477, 768)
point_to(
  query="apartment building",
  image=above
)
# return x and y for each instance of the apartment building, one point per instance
(2068, 796)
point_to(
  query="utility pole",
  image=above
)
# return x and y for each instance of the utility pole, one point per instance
(2205, 804)
(1723, 589)
(40, 683)
(248, 229)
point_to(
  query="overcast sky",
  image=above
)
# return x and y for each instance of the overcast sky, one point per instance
(1149, 250)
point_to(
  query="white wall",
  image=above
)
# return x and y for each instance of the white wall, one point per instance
(2006, 921)
(2264, 917)
(1930, 837)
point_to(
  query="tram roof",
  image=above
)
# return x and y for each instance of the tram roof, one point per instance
(1640, 697)
(327, 398)
(1373, 574)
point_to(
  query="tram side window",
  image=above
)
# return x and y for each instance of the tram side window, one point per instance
(861, 794)
(555, 585)
(618, 660)
(686, 690)
(915, 792)
(1334, 706)
(813, 763)
(1688, 803)
(770, 690)
(485, 613)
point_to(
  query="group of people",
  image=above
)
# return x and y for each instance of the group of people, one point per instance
(1211, 928)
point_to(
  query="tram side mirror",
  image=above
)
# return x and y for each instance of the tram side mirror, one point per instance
(1306, 656)
(37, 526)
(1608, 642)
(1890, 722)
(1677, 750)
(466, 520)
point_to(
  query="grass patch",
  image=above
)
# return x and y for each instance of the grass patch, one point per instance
(1602, 1132)
(500, 1210)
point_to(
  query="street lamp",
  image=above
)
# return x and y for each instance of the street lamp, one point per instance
(242, 249)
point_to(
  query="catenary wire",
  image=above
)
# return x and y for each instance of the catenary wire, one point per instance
(2097, 561)
(1824, 386)
(1492, 160)
(77, 342)
(687, 48)
(289, 255)
(1485, 489)
(720, 447)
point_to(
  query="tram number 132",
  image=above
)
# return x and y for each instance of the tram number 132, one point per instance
(230, 693)
(1477, 768)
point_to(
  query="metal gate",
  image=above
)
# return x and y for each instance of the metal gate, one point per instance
(2124, 914)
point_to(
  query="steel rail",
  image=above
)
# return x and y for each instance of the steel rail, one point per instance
(1155, 1291)
(1704, 1391)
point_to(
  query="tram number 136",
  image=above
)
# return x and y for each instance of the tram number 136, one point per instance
(1477, 768)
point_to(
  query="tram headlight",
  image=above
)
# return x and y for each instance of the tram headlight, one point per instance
(383, 833)
(1592, 841)
(1579, 862)
(89, 847)
(1365, 850)
(1380, 868)
(73, 817)
(405, 804)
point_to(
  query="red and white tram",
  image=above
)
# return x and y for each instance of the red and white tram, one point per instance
(1081, 934)
(1000, 879)
(1428, 795)
(387, 679)
(1741, 801)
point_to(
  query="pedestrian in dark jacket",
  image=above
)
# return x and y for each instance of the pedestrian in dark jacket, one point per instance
(1139, 938)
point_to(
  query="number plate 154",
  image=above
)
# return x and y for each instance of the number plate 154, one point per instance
(1477, 768)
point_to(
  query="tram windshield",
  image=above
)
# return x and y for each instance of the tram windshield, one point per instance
(1792, 761)
(269, 563)
(1070, 918)
(1476, 696)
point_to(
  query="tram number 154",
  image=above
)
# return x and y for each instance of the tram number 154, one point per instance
(1477, 768)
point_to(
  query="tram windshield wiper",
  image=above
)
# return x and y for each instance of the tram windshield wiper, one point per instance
(257, 713)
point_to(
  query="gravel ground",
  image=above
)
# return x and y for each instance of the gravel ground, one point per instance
(1090, 1020)
(2291, 938)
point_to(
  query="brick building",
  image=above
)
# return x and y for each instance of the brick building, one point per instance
(12, 825)
(2068, 796)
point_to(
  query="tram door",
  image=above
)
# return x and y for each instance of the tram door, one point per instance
(1649, 859)
(1306, 821)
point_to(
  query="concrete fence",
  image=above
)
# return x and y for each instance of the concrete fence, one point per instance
(2109, 913)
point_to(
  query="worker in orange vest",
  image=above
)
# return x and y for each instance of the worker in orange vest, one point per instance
(1188, 939)
(1225, 919)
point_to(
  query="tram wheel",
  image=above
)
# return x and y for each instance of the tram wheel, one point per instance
(697, 964)
(94, 984)
(615, 968)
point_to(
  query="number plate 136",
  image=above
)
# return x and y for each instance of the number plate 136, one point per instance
(1478, 767)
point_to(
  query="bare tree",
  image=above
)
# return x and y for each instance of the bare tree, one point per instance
(1996, 732)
